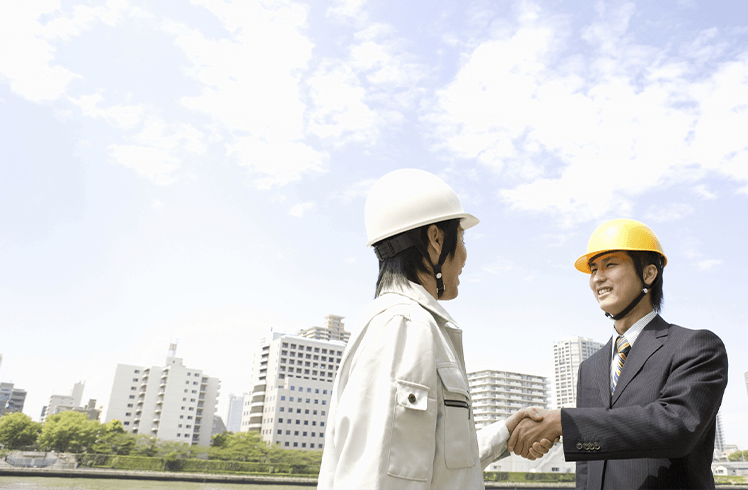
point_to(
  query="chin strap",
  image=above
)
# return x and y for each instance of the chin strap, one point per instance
(636, 301)
(629, 307)
(390, 248)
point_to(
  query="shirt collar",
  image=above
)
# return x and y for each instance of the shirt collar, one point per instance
(418, 293)
(634, 330)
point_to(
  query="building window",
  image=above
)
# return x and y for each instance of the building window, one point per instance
(297, 422)
(295, 444)
(303, 444)
(311, 445)
(304, 434)
(306, 422)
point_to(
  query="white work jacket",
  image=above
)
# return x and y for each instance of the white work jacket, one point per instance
(401, 415)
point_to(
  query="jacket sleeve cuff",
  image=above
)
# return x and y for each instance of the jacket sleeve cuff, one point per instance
(492, 443)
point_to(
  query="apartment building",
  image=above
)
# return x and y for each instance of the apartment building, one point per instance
(172, 402)
(567, 356)
(292, 379)
(332, 328)
(498, 394)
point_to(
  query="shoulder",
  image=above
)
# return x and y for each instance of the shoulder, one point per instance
(679, 334)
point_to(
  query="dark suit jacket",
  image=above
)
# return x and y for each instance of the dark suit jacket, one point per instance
(657, 430)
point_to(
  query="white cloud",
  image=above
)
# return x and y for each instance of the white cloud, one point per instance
(346, 9)
(579, 137)
(703, 191)
(30, 70)
(498, 266)
(152, 163)
(254, 92)
(356, 98)
(120, 116)
(670, 212)
(339, 108)
(299, 209)
(707, 265)
(353, 191)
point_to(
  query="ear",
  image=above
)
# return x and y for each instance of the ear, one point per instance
(435, 238)
(650, 274)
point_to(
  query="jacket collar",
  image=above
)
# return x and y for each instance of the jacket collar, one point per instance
(646, 345)
(418, 293)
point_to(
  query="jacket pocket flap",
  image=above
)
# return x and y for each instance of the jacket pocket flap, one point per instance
(453, 380)
(412, 395)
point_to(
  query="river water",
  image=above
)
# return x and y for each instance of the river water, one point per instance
(45, 483)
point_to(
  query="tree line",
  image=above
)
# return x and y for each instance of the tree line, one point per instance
(73, 432)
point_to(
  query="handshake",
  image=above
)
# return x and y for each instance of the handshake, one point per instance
(533, 432)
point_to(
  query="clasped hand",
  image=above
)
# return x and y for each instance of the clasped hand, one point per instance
(533, 432)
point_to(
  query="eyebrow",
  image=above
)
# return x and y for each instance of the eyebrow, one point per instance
(602, 260)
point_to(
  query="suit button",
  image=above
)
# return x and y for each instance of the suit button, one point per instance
(587, 446)
(412, 398)
(597, 446)
(579, 445)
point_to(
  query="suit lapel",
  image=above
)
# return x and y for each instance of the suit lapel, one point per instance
(602, 374)
(646, 344)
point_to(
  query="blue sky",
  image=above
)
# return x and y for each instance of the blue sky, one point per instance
(198, 170)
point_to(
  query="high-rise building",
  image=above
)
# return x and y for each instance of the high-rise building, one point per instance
(567, 356)
(498, 394)
(292, 379)
(171, 402)
(332, 328)
(11, 398)
(232, 412)
(63, 403)
(719, 436)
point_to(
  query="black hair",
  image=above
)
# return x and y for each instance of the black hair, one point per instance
(406, 265)
(643, 259)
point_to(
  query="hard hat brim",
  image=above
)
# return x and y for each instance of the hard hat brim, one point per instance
(467, 221)
(582, 263)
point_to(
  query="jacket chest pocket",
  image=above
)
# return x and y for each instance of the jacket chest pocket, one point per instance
(460, 441)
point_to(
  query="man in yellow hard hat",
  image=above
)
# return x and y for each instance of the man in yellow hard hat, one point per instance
(647, 402)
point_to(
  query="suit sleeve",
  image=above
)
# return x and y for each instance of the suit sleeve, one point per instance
(670, 426)
(581, 466)
(385, 420)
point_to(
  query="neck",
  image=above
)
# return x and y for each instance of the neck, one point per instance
(634, 316)
(429, 284)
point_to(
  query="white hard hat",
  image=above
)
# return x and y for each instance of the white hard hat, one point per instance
(409, 198)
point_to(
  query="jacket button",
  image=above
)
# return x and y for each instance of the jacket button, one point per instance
(579, 445)
(412, 398)
(587, 446)
(597, 446)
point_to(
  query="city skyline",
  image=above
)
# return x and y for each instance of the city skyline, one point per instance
(199, 171)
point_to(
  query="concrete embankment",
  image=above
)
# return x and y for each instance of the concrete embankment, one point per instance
(155, 475)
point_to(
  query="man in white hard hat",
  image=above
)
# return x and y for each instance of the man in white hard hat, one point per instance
(401, 414)
(646, 402)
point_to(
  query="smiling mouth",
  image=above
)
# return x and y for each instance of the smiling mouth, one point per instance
(602, 291)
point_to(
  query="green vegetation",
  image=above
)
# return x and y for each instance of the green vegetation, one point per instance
(110, 446)
(517, 477)
(18, 431)
(738, 456)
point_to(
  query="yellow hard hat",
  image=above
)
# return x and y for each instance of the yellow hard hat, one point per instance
(620, 234)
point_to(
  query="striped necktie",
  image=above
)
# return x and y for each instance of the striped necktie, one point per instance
(622, 348)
